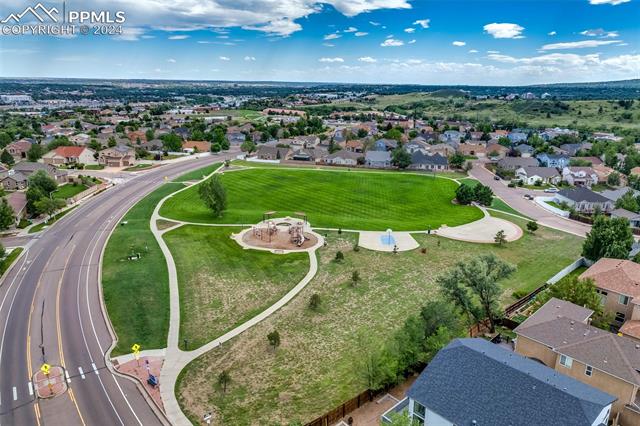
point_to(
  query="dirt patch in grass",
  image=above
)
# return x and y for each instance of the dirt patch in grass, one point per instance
(165, 224)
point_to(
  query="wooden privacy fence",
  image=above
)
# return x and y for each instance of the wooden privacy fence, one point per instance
(343, 410)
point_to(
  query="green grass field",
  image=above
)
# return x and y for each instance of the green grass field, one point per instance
(8, 260)
(223, 285)
(332, 199)
(315, 368)
(68, 190)
(197, 174)
(136, 292)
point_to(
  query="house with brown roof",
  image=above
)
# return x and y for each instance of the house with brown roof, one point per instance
(354, 146)
(618, 283)
(196, 146)
(473, 150)
(559, 336)
(265, 152)
(70, 155)
(118, 156)
(18, 149)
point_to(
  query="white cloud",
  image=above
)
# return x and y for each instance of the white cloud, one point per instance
(131, 34)
(599, 32)
(493, 51)
(611, 2)
(224, 58)
(504, 30)
(178, 37)
(171, 60)
(473, 51)
(328, 45)
(350, 30)
(411, 41)
(361, 34)
(392, 42)
(368, 59)
(375, 24)
(331, 60)
(424, 23)
(578, 44)
(410, 30)
(552, 33)
(249, 58)
(459, 43)
(413, 61)
(332, 36)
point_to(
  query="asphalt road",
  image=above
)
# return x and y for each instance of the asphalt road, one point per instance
(515, 198)
(50, 312)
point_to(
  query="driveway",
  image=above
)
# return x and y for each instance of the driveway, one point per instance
(515, 198)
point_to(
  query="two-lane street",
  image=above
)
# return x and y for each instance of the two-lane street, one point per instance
(50, 311)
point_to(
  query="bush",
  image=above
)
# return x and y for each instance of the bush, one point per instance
(356, 247)
(339, 256)
(519, 294)
(315, 302)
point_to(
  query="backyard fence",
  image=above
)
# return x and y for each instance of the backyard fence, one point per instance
(87, 192)
(340, 412)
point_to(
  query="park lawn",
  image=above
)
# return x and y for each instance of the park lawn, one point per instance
(222, 285)
(331, 199)
(557, 206)
(197, 174)
(136, 292)
(316, 368)
(68, 190)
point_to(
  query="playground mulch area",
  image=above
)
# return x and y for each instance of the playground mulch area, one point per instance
(278, 241)
(222, 285)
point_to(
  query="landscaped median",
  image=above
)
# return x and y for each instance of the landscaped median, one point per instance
(319, 363)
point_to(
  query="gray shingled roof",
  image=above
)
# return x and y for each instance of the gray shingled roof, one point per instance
(475, 380)
(555, 308)
(419, 158)
(580, 193)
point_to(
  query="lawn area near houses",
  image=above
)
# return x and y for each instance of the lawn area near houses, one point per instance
(69, 190)
(316, 368)
(222, 285)
(332, 199)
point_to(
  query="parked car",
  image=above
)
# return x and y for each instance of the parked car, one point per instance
(551, 190)
(496, 177)
(528, 197)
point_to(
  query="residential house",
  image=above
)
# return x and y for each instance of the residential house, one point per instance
(435, 162)
(385, 145)
(496, 151)
(580, 176)
(14, 181)
(354, 146)
(377, 159)
(309, 154)
(475, 382)
(584, 200)
(632, 217)
(615, 194)
(309, 141)
(196, 146)
(27, 168)
(451, 136)
(517, 137)
(550, 134)
(603, 172)
(532, 174)
(417, 144)
(137, 136)
(559, 336)
(571, 149)
(235, 136)
(343, 158)
(472, 150)
(514, 163)
(525, 150)
(18, 149)
(618, 284)
(608, 137)
(18, 202)
(118, 156)
(65, 155)
(559, 161)
(442, 149)
(272, 153)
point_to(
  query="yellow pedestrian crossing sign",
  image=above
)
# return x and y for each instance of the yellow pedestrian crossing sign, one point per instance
(135, 348)
(45, 368)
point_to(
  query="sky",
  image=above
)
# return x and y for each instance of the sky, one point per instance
(468, 42)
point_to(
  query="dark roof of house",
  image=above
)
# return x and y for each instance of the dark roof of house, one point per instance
(378, 156)
(349, 155)
(556, 308)
(580, 193)
(553, 156)
(518, 162)
(475, 380)
(436, 159)
(543, 172)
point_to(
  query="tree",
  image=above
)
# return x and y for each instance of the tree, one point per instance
(48, 206)
(149, 134)
(248, 146)
(7, 158)
(314, 302)
(5, 139)
(402, 419)
(456, 160)
(532, 226)
(215, 147)
(483, 194)
(579, 292)
(395, 134)
(224, 378)
(472, 285)
(6, 215)
(613, 179)
(355, 278)
(465, 194)
(339, 256)
(111, 142)
(400, 158)
(42, 181)
(274, 339)
(500, 238)
(171, 142)
(214, 195)
(608, 238)
(628, 202)
(35, 152)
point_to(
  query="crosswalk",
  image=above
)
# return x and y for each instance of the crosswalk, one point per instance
(26, 392)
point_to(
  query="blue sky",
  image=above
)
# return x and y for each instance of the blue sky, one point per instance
(371, 41)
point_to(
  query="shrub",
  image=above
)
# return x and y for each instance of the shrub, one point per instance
(339, 256)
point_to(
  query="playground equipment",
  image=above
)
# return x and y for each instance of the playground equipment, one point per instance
(296, 234)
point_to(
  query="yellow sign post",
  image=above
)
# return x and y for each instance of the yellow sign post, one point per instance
(45, 369)
(136, 352)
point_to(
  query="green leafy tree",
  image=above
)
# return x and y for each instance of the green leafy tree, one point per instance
(355, 278)
(532, 226)
(248, 146)
(395, 134)
(274, 339)
(224, 379)
(472, 285)
(171, 142)
(149, 134)
(48, 206)
(315, 302)
(500, 238)
(339, 256)
(456, 160)
(214, 195)
(43, 181)
(465, 194)
(5, 139)
(483, 194)
(613, 179)
(400, 158)
(6, 215)
(111, 142)
(628, 202)
(402, 419)
(7, 158)
(35, 152)
(608, 238)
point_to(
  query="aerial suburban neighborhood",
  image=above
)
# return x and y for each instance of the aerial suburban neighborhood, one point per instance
(320, 213)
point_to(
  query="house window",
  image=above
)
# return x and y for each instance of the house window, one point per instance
(418, 409)
(565, 361)
(588, 370)
(623, 300)
(603, 296)
(620, 317)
